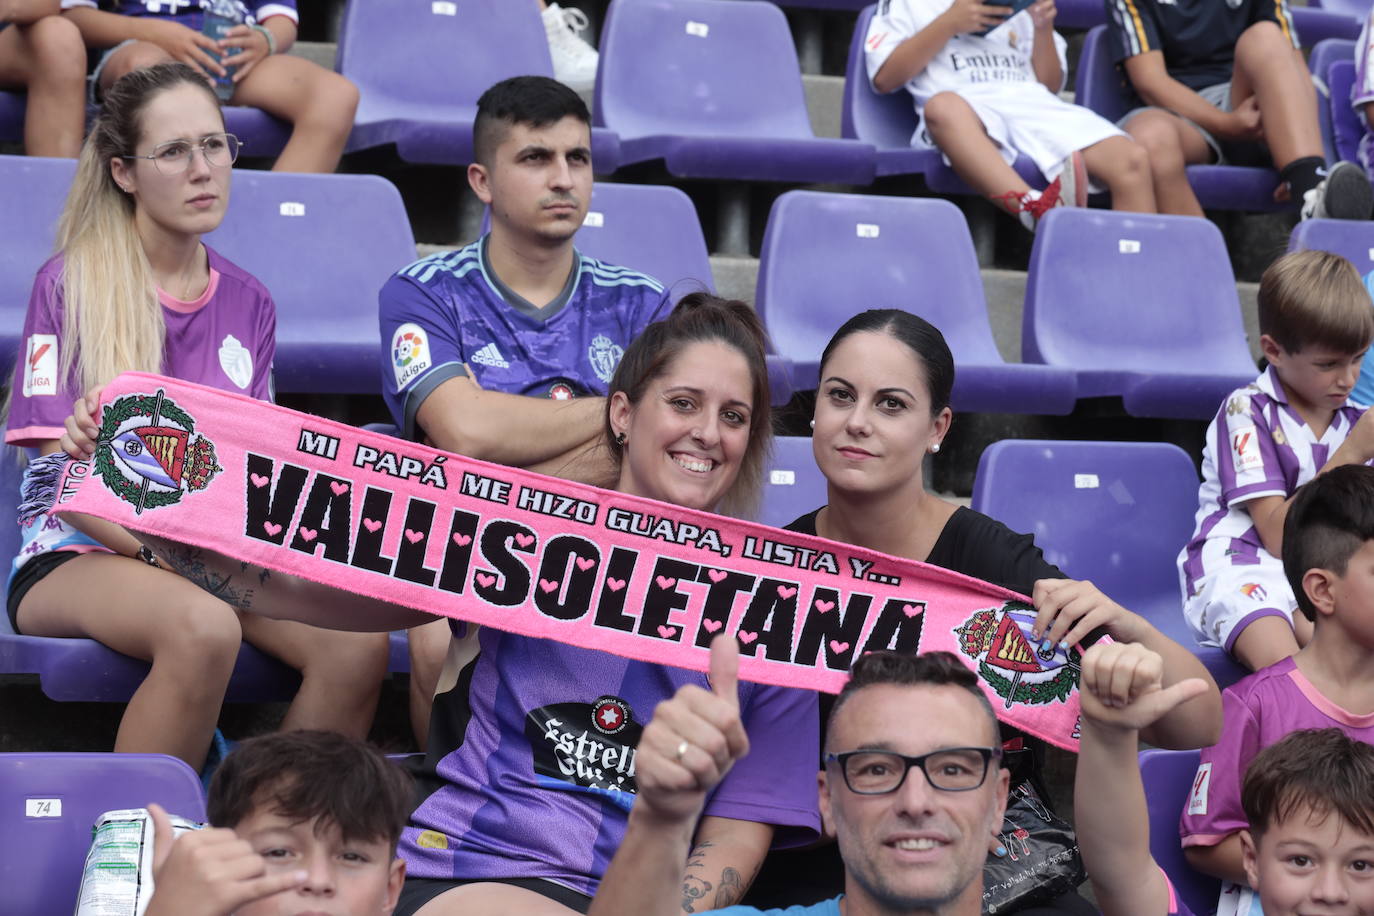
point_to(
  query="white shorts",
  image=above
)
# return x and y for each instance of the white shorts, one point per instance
(1027, 118)
(1231, 599)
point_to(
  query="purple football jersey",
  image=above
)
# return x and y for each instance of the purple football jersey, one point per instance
(225, 339)
(531, 764)
(1256, 712)
(188, 12)
(449, 314)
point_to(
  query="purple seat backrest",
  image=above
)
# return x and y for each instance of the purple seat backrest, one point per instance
(1357, 8)
(792, 484)
(886, 121)
(1351, 239)
(32, 192)
(52, 801)
(1132, 292)
(1346, 128)
(1099, 83)
(300, 235)
(828, 256)
(699, 68)
(1168, 778)
(1116, 513)
(649, 228)
(440, 55)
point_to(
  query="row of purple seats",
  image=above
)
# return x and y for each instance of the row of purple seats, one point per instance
(51, 804)
(299, 234)
(1115, 513)
(1168, 779)
(1329, 106)
(824, 252)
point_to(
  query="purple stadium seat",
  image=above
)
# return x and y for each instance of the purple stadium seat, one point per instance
(888, 121)
(1101, 86)
(713, 88)
(1323, 55)
(299, 235)
(1142, 307)
(1346, 129)
(649, 228)
(52, 801)
(792, 484)
(1356, 9)
(32, 192)
(420, 68)
(1116, 513)
(1351, 239)
(1315, 25)
(1168, 779)
(898, 252)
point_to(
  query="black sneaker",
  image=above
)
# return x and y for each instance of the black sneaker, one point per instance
(1343, 194)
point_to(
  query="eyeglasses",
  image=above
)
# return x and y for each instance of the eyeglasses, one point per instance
(953, 769)
(174, 156)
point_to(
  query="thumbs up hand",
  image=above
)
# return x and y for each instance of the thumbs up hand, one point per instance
(209, 872)
(1122, 686)
(693, 740)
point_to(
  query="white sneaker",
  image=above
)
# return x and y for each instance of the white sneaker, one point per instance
(574, 60)
(1343, 194)
(1073, 180)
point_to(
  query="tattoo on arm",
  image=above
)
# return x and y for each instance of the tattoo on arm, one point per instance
(694, 887)
(189, 563)
(730, 889)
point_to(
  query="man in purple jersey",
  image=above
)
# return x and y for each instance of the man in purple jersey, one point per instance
(502, 350)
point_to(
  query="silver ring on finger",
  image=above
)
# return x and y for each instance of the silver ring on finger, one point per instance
(682, 749)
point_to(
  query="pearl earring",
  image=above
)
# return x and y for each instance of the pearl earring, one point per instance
(935, 448)
(813, 424)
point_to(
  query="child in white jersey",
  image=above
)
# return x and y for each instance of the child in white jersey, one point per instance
(1269, 438)
(985, 87)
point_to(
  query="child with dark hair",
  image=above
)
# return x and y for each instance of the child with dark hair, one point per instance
(1291, 424)
(1308, 800)
(1329, 561)
(300, 821)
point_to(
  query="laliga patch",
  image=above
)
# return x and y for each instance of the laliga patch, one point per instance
(40, 365)
(410, 354)
(1197, 801)
(1245, 450)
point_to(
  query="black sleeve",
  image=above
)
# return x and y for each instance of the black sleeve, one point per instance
(986, 549)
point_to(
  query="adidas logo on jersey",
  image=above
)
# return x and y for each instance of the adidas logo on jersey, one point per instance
(490, 356)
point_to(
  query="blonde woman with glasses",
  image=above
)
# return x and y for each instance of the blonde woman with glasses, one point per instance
(132, 287)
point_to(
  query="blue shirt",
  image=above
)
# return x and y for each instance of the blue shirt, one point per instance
(824, 908)
(449, 314)
(188, 12)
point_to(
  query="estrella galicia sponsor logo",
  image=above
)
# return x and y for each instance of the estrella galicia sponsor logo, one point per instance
(586, 747)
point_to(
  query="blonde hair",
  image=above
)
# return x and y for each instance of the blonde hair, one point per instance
(112, 320)
(1315, 297)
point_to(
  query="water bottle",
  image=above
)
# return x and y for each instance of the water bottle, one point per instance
(220, 17)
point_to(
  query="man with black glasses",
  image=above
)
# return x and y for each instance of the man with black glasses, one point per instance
(911, 789)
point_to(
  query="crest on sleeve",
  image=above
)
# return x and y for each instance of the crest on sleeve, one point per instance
(410, 354)
(148, 453)
(1245, 450)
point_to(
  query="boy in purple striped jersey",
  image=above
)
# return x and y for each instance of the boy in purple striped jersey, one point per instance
(1292, 423)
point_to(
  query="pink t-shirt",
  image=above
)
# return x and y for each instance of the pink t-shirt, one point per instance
(1256, 712)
